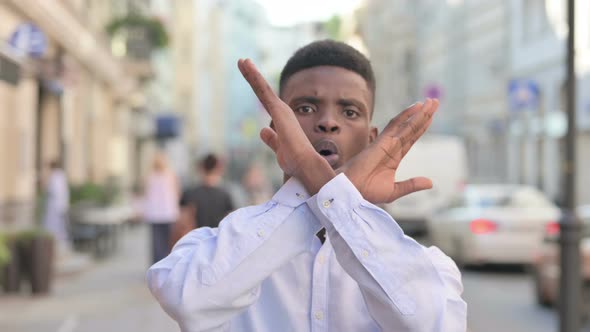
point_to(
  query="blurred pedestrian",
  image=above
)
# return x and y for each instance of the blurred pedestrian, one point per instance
(160, 204)
(57, 204)
(256, 185)
(208, 202)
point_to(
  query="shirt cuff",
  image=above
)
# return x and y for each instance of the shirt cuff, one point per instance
(334, 198)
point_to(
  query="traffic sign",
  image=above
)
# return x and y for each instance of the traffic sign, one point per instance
(523, 94)
(433, 90)
(29, 40)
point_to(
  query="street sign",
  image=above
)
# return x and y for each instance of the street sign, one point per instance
(29, 40)
(523, 94)
(433, 90)
(167, 126)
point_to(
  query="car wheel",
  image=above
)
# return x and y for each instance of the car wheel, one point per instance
(540, 295)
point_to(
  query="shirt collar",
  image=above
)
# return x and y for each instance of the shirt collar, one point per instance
(292, 193)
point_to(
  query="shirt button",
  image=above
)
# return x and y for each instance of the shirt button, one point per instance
(321, 260)
(327, 204)
(319, 315)
(260, 233)
(365, 253)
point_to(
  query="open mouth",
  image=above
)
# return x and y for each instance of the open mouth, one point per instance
(328, 150)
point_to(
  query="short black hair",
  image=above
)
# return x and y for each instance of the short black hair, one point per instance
(328, 53)
(209, 162)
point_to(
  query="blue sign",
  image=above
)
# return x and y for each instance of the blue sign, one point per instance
(29, 40)
(167, 126)
(523, 94)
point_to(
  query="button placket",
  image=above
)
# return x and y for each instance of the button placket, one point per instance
(319, 315)
(320, 287)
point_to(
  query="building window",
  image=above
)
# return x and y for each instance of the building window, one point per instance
(535, 22)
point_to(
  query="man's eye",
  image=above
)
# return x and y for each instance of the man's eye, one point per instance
(304, 109)
(351, 113)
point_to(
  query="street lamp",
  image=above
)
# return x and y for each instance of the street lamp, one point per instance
(570, 281)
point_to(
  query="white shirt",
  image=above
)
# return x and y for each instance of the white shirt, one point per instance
(264, 269)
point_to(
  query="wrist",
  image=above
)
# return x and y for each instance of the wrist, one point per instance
(315, 174)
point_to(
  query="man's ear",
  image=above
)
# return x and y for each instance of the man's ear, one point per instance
(374, 132)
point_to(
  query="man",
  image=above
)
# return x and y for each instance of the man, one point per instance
(209, 202)
(264, 269)
(206, 204)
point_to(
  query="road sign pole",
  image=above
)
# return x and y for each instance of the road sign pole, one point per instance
(570, 281)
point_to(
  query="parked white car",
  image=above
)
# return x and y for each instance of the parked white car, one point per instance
(497, 223)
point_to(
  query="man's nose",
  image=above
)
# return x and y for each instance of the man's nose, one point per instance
(327, 124)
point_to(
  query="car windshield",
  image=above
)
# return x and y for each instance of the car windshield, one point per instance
(482, 197)
(483, 200)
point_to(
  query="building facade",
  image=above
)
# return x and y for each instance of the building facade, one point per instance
(68, 103)
(470, 54)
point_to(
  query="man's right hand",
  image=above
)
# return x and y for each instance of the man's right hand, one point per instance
(373, 170)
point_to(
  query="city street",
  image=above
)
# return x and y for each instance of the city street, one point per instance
(502, 299)
(112, 111)
(111, 295)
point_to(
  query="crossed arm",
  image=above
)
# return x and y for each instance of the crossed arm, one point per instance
(372, 171)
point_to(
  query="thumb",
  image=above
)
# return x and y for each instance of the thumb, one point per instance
(270, 138)
(412, 185)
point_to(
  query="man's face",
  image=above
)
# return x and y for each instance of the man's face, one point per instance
(333, 106)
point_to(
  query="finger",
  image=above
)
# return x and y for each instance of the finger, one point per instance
(409, 141)
(405, 133)
(260, 86)
(417, 125)
(404, 115)
(240, 64)
(270, 138)
(412, 185)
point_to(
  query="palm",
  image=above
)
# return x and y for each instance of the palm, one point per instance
(379, 186)
(373, 171)
(287, 156)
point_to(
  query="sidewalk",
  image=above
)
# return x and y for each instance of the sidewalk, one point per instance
(110, 295)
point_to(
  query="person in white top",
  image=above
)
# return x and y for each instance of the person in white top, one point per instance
(57, 204)
(264, 268)
(160, 205)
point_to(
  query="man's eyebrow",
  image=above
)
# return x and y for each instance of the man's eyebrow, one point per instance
(306, 99)
(352, 102)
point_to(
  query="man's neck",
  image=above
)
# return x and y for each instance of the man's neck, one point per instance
(212, 180)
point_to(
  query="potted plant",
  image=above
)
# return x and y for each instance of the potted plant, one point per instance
(153, 27)
(37, 254)
(4, 251)
(10, 271)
